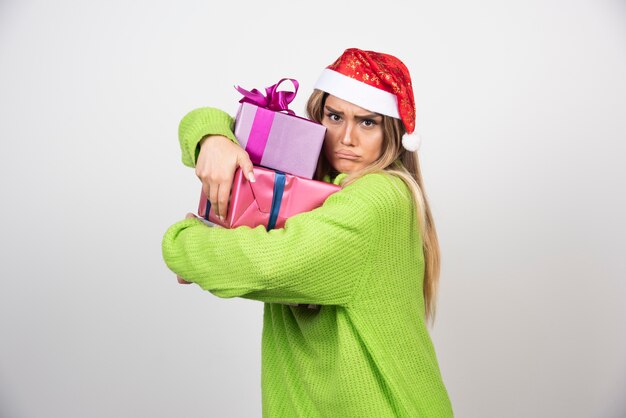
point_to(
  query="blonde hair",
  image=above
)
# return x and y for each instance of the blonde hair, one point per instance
(397, 161)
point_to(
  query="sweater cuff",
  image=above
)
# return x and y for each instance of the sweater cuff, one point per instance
(199, 123)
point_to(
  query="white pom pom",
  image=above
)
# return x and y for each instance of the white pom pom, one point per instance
(411, 142)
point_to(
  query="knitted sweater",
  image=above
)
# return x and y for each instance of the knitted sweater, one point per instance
(366, 352)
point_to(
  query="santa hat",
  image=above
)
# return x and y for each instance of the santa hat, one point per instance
(374, 81)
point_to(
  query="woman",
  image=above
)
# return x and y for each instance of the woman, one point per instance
(368, 256)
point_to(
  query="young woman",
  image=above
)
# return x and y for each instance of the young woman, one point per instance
(369, 256)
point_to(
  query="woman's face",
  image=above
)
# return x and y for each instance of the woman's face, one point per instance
(354, 136)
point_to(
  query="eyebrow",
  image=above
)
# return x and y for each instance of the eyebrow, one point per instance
(368, 116)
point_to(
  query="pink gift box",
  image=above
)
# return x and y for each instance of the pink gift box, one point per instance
(266, 202)
(279, 141)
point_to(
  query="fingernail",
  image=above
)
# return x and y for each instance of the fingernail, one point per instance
(251, 177)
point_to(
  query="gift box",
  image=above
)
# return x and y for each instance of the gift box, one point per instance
(269, 201)
(276, 140)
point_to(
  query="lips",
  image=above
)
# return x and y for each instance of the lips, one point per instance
(347, 155)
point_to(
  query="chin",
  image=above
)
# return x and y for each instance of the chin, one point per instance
(344, 166)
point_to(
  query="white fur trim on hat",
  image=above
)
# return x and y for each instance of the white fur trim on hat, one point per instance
(358, 93)
(411, 142)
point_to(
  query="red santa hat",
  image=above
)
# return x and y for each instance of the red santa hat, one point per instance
(374, 81)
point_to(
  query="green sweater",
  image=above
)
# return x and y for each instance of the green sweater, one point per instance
(366, 352)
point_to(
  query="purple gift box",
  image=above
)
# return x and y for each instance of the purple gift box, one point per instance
(278, 140)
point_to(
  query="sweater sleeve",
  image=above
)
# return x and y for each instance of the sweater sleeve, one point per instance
(199, 123)
(319, 257)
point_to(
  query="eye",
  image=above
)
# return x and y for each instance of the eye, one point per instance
(333, 117)
(368, 123)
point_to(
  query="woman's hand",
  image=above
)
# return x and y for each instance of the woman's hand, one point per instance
(217, 162)
(182, 281)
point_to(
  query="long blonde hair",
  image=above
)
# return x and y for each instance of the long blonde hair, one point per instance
(397, 161)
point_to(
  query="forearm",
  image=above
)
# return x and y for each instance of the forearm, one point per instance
(319, 257)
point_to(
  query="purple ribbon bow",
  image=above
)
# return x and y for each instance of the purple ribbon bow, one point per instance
(277, 101)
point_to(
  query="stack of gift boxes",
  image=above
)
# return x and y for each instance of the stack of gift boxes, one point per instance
(284, 150)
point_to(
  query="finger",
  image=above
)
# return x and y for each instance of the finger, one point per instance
(182, 281)
(246, 166)
(223, 195)
(213, 198)
(206, 185)
(206, 189)
(190, 216)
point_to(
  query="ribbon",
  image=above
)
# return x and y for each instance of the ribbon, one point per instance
(259, 134)
(208, 209)
(277, 198)
(277, 101)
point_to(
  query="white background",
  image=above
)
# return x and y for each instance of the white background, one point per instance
(522, 108)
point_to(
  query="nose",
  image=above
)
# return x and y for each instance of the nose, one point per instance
(347, 137)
